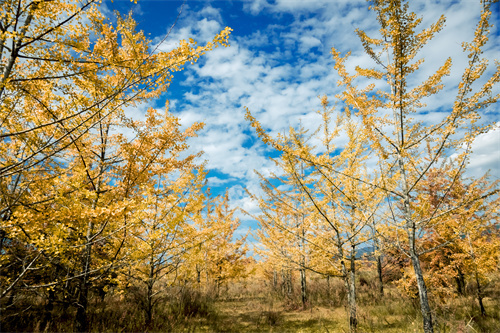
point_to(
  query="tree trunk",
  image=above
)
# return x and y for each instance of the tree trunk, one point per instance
(380, 277)
(410, 227)
(328, 287)
(422, 288)
(303, 287)
(350, 287)
(149, 305)
(47, 317)
(353, 320)
(149, 295)
(460, 280)
(81, 321)
(480, 296)
(81, 324)
(287, 287)
(3, 237)
(422, 294)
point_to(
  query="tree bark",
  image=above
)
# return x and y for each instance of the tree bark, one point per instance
(287, 287)
(47, 317)
(410, 227)
(480, 296)
(350, 287)
(303, 287)
(460, 280)
(275, 280)
(353, 319)
(149, 296)
(81, 322)
(422, 294)
(380, 276)
(328, 287)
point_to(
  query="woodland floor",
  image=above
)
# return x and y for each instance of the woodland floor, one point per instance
(259, 314)
(255, 308)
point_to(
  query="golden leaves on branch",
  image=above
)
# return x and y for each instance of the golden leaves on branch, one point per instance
(81, 182)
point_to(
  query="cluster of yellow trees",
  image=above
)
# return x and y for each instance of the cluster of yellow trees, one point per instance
(392, 184)
(90, 198)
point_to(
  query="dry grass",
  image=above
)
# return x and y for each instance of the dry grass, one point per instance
(254, 307)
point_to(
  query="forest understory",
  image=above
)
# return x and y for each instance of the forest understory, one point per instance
(256, 305)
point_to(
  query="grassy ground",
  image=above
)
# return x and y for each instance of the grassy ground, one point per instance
(256, 308)
(267, 312)
(257, 315)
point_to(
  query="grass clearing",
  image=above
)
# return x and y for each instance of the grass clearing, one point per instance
(257, 308)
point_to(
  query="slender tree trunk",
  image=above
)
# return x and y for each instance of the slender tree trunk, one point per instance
(328, 287)
(353, 319)
(480, 295)
(198, 274)
(380, 276)
(347, 288)
(303, 287)
(218, 280)
(422, 288)
(3, 236)
(376, 244)
(422, 293)
(149, 305)
(149, 295)
(47, 317)
(410, 227)
(208, 286)
(81, 324)
(284, 282)
(350, 288)
(81, 321)
(287, 286)
(460, 280)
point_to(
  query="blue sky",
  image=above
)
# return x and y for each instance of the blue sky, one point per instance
(278, 64)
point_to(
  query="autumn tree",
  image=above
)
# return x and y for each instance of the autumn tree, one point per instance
(220, 255)
(65, 67)
(467, 237)
(340, 199)
(399, 138)
(166, 191)
(89, 229)
(71, 185)
(401, 141)
(283, 224)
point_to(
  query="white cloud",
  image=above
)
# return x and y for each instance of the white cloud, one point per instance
(255, 6)
(211, 12)
(297, 6)
(486, 154)
(202, 26)
(279, 70)
(216, 181)
(308, 42)
(280, 94)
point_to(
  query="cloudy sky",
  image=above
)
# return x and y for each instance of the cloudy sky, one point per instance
(278, 63)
